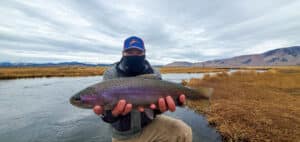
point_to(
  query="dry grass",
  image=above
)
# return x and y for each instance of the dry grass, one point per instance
(62, 71)
(250, 106)
(190, 70)
(30, 72)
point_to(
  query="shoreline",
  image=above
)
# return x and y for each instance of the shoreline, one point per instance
(7, 73)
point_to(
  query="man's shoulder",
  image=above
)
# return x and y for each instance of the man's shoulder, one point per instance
(110, 72)
(154, 70)
(157, 73)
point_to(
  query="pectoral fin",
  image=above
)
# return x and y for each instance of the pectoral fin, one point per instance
(206, 91)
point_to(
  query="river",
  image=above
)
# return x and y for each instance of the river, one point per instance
(38, 110)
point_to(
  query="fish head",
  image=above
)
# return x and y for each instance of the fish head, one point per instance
(86, 98)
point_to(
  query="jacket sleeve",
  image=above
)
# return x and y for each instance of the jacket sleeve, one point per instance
(110, 73)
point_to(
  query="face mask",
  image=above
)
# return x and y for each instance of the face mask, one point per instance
(133, 65)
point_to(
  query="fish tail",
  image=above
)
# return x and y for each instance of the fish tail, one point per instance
(200, 93)
(206, 91)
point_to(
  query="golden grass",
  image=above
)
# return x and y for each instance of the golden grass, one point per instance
(250, 106)
(190, 70)
(30, 72)
(64, 71)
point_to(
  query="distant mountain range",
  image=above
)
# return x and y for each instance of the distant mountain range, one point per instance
(281, 56)
(9, 64)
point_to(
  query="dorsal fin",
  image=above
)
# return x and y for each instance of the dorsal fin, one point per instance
(149, 76)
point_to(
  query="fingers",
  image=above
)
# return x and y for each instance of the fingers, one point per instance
(122, 108)
(171, 103)
(141, 109)
(182, 98)
(119, 108)
(153, 106)
(98, 110)
(127, 109)
(162, 104)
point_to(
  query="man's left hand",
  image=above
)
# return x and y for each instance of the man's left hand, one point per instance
(167, 103)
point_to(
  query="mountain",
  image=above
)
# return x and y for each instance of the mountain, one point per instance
(9, 64)
(181, 64)
(281, 56)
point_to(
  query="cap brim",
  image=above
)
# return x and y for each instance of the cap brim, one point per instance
(134, 47)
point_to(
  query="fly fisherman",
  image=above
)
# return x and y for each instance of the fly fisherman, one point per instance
(144, 124)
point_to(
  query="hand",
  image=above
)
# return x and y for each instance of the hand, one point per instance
(165, 104)
(120, 109)
(168, 103)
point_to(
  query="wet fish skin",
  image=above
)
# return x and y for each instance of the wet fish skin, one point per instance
(136, 90)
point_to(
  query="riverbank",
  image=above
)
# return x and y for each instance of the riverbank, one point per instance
(191, 69)
(60, 71)
(253, 106)
(70, 71)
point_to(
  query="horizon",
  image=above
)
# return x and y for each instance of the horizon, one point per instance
(93, 31)
(92, 63)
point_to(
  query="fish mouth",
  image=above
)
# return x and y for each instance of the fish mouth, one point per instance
(78, 102)
(75, 100)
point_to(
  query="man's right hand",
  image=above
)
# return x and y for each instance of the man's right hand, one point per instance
(122, 108)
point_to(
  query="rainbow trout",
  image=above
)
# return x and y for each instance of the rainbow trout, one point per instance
(140, 91)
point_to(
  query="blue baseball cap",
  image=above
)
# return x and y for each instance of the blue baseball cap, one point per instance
(134, 42)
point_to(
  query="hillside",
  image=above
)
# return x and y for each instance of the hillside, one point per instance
(278, 57)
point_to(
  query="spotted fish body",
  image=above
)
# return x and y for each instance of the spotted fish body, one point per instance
(139, 91)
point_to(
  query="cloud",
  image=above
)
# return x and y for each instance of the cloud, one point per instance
(60, 57)
(94, 31)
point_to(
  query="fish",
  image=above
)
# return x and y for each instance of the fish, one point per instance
(140, 90)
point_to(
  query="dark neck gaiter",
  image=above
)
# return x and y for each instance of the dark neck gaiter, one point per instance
(133, 65)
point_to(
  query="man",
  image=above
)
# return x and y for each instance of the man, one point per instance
(144, 124)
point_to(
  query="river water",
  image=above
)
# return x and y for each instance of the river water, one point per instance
(38, 110)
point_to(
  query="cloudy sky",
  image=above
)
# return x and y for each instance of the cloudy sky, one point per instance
(93, 31)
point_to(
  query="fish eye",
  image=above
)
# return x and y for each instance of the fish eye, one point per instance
(77, 98)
